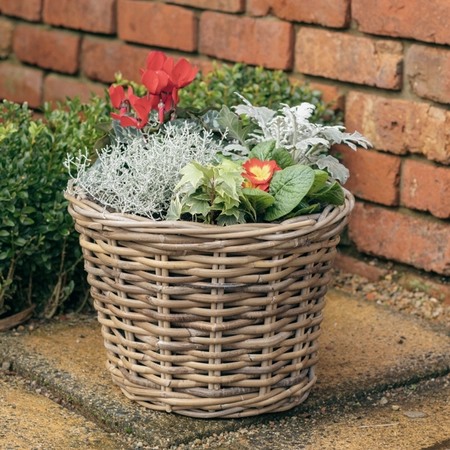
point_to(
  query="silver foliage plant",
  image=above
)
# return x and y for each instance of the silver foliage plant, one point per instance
(308, 143)
(139, 176)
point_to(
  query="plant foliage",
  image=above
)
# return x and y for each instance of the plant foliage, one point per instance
(137, 174)
(260, 86)
(39, 253)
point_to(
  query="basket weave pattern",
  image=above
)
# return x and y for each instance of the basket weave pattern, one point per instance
(208, 321)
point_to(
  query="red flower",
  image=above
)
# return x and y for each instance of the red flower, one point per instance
(182, 75)
(163, 79)
(156, 81)
(142, 107)
(258, 173)
(117, 95)
(156, 60)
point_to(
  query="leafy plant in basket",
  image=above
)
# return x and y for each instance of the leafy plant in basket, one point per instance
(223, 167)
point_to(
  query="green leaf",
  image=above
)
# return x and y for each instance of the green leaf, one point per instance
(175, 208)
(266, 151)
(9, 207)
(229, 120)
(4, 233)
(210, 120)
(99, 145)
(26, 221)
(20, 242)
(260, 200)
(193, 175)
(231, 217)
(198, 206)
(283, 158)
(223, 220)
(303, 210)
(332, 193)
(106, 127)
(289, 186)
(28, 210)
(320, 178)
(64, 232)
(263, 151)
(22, 194)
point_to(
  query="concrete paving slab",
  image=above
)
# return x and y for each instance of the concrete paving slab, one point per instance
(365, 348)
(415, 417)
(29, 420)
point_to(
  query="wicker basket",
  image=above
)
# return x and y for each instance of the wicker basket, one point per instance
(208, 321)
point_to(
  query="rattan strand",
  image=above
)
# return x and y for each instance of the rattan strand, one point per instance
(208, 321)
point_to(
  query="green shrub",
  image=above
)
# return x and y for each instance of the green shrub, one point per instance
(262, 87)
(40, 258)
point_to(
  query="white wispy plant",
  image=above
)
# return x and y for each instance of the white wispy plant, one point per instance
(308, 143)
(139, 176)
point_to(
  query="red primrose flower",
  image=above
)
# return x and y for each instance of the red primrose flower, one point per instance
(259, 174)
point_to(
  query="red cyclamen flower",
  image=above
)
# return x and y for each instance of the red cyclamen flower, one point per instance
(164, 78)
(141, 106)
(119, 99)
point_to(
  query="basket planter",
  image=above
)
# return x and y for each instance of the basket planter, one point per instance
(209, 321)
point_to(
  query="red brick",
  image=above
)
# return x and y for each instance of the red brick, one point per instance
(349, 58)
(348, 264)
(6, 37)
(400, 126)
(115, 57)
(57, 88)
(119, 57)
(258, 8)
(21, 84)
(157, 24)
(331, 95)
(97, 16)
(335, 14)
(374, 176)
(417, 241)
(417, 19)
(25, 9)
(427, 70)
(219, 5)
(54, 50)
(426, 187)
(248, 40)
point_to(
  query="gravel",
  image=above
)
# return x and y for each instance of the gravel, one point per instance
(388, 292)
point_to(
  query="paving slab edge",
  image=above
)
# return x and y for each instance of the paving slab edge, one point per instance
(104, 411)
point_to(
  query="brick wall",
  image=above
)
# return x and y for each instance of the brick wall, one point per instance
(386, 62)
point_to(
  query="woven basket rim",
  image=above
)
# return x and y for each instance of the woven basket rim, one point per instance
(126, 220)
